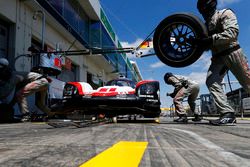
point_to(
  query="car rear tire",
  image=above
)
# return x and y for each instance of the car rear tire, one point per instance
(171, 42)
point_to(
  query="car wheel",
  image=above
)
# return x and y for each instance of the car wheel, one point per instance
(171, 39)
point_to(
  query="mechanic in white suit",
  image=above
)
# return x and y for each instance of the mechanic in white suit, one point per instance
(223, 31)
(183, 88)
(25, 84)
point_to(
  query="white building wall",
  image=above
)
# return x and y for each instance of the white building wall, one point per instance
(21, 15)
(23, 34)
(10, 11)
(96, 6)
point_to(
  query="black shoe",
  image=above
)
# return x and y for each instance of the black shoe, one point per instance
(226, 119)
(26, 118)
(197, 118)
(49, 117)
(181, 119)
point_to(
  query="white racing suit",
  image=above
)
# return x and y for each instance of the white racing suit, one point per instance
(27, 83)
(184, 88)
(226, 55)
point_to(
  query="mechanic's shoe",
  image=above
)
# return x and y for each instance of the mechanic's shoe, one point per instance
(47, 118)
(181, 119)
(46, 110)
(197, 118)
(26, 117)
(43, 108)
(226, 119)
(52, 115)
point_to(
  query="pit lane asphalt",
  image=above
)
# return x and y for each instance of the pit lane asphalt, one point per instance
(169, 144)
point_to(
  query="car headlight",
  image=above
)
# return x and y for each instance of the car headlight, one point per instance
(70, 90)
(146, 89)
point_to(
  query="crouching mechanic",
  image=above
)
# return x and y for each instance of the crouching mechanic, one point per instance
(183, 88)
(24, 84)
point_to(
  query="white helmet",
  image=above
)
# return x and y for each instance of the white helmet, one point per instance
(4, 63)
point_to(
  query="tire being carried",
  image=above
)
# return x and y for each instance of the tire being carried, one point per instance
(171, 39)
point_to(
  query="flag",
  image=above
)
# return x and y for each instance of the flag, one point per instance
(147, 44)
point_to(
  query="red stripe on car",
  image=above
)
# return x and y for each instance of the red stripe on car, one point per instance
(143, 82)
(104, 94)
(112, 89)
(79, 87)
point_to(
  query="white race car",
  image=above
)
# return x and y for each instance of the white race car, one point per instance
(117, 97)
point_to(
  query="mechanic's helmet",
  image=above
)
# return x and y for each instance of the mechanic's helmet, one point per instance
(207, 8)
(3, 63)
(5, 70)
(166, 76)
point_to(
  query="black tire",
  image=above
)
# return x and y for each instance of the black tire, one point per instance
(152, 111)
(171, 43)
(151, 115)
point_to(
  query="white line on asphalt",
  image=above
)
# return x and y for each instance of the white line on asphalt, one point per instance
(228, 156)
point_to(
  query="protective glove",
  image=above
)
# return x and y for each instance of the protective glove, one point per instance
(184, 83)
(170, 94)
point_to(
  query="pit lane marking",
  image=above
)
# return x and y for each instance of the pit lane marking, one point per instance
(244, 119)
(122, 154)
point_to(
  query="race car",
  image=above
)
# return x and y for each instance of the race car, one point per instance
(118, 97)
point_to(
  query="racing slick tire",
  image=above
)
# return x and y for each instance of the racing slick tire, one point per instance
(171, 39)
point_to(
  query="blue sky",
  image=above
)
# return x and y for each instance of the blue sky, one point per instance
(133, 20)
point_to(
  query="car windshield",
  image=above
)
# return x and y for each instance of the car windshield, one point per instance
(121, 83)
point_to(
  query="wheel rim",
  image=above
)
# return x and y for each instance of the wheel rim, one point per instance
(174, 44)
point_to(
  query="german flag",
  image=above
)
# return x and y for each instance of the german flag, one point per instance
(147, 44)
